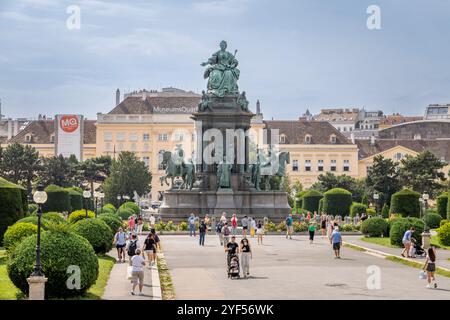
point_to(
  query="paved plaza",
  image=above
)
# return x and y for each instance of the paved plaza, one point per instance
(290, 269)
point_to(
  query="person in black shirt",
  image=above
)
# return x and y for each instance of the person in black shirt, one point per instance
(232, 248)
(246, 255)
(157, 241)
(150, 248)
(202, 231)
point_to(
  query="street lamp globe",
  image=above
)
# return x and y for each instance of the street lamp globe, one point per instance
(86, 194)
(376, 196)
(425, 196)
(40, 197)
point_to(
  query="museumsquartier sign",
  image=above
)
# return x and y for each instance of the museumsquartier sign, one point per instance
(174, 110)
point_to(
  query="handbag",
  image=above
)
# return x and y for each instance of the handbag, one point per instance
(422, 275)
(129, 273)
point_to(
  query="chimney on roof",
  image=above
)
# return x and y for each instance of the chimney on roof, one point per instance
(258, 107)
(372, 140)
(117, 96)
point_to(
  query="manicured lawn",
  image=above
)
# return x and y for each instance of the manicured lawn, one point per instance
(380, 241)
(7, 290)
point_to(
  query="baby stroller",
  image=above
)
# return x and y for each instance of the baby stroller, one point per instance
(233, 267)
(416, 250)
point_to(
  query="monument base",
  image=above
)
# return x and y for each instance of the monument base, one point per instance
(179, 204)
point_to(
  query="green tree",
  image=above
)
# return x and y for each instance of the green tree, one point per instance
(60, 171)
(422, 173)
(383, 179)
(128, 174)
(330, 181)
(95, 170)
(20, 164)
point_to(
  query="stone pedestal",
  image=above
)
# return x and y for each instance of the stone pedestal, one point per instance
(37, 287)
(426, 240)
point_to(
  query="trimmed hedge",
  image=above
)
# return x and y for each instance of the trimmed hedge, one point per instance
(109, 207)
(448, 207)
(58, 200)
(311, 200)
(299, 203)
(76, 199)
(321, 205)
(357, 208)
(59, 250)
(432, 220)
(374, 227)
(399, 227)
(54, 217)
(32, 208)
(337, 201)
(406, 203)
(441, 204)
(385, 211)
(97, 232)
(34, 220)
(11, 205)
(16, 233)
(133, 206)
(443, 221)
(80, 215)
(112, 220)
(444, 234)
(125, 213)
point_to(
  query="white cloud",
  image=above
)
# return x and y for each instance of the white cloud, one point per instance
(221, 7)
(114, 9)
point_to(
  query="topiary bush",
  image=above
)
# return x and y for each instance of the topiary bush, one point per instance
(441, 204)
(133, 206)
(444, 234)
(357, 208)
(112, 220)
(299, 199)
(432, 220)
(311, 200)
(97, 232)
(337, 201)
(448, 206)
(11, 205)
(371, 212)
(406, 203)
(16, 233)
(443, 221)
(399, 227)
(34, 220)
(109, 207)
(374, 227)
(321, 205)
(58, 200)
(76, 199)
(59, 250)
(125, 213)
(54, 217)
(385, 211)
(80, 215)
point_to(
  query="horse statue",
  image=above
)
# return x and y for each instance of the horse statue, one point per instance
(267, 169)
(185, 171)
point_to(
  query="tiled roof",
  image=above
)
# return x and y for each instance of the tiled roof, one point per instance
(441, 148)
(296, 130)
(162, 103)
(397, 119)
(42, 130)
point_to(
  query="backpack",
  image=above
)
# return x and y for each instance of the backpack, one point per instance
(226, 231)
(219, 227)
(132, 248)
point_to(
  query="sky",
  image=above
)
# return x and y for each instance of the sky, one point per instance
(293, 55)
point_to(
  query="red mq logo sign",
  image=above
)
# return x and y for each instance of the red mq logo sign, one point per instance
(69, 123)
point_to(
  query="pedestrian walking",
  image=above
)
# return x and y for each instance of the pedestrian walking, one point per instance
(137, 272)
(260, 232)
(157, 240)
(246, 256)
(132, 246)
(336, 241)
(152, 222)
(323, 225)
(312, 231)
(244, 226)
(234, 223)
(120, 241)
(149, 248)
(207, 222)
(191, 222)
(289, 226)
(202, 228)
(219, 227)
(226, 233)
(223, 218)
(252, 224)
(231, 248)
(140, 225)
(131, 223)
(406, 240)
(430, 267)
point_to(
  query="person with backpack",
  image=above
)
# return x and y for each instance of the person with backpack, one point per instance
(120, 241)
(219, 227)
(132, 246)
(191, 222)
(150, 248)
(202, 228)
(234, 224)
(157, 241)
(226, 233)
(289, 226)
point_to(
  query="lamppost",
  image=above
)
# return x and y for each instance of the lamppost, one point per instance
(37, 279)
(96, 202)
(101, 196)
(297, 200)
(376, 196)
(426, 235)
(86, 196)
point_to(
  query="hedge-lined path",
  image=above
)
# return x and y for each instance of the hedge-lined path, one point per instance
(290, 269)
(443, 255)
(119, 288)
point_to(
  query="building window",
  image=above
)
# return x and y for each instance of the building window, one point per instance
(120, 136)
(295, 165)
(163, 137)
(282, 139)
(320, 165)
(333, 165)
(307, 165)
(333, 139)
(346, 165)
(178, 136)
(28, 138)
(107, 137)
(160, 160)
(146, 137)
(146, 147)
(398, 156)
(345, 129)
(52, 138)
(133, 137)
(368, 169)
(146, 160)
(308, 139)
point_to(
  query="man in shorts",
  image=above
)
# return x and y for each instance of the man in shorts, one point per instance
(120, 241)
(289, 226)
(137, 273)
(407, 238)
(336, 241)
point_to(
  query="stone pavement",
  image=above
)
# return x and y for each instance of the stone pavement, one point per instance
(290, 269)
(119, 288)
(442, 255)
